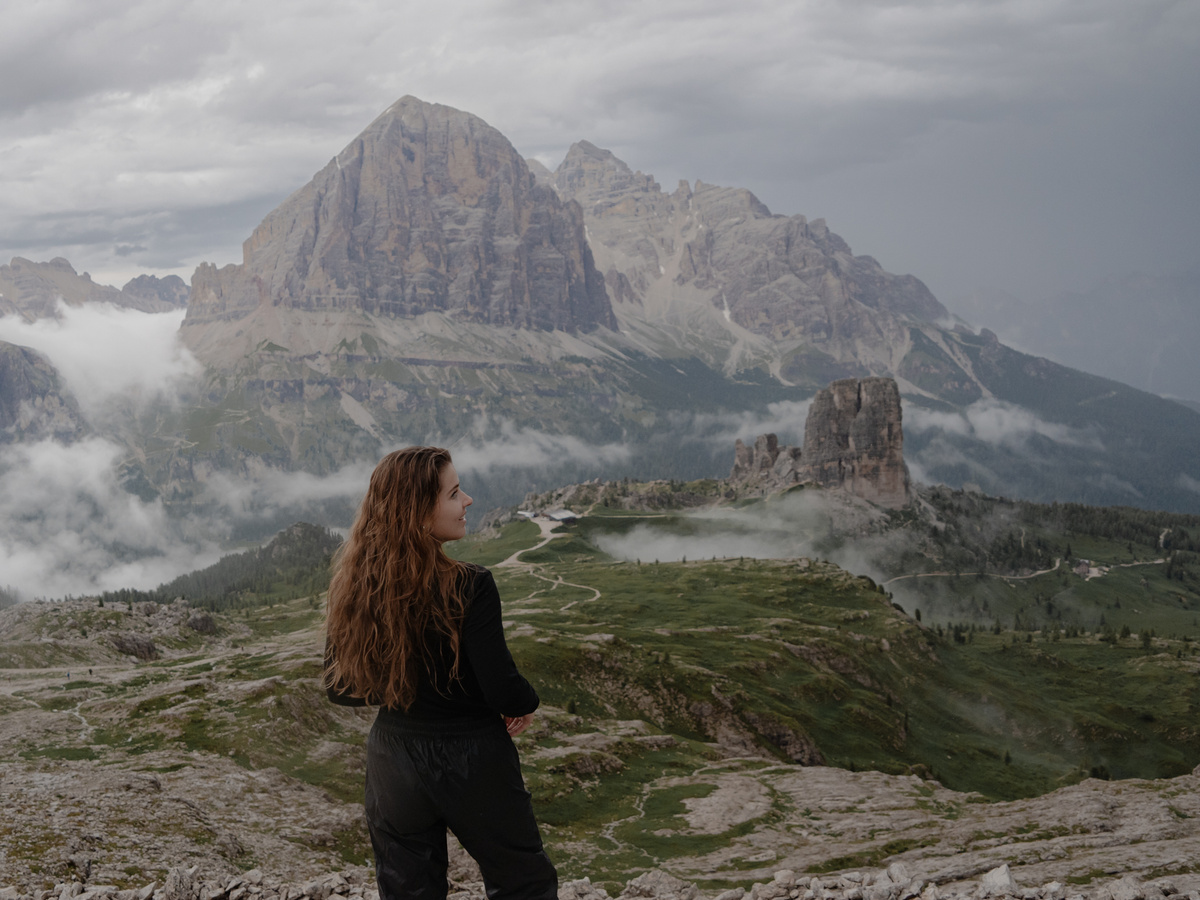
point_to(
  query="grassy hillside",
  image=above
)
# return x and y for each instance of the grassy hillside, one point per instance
(294, 564)
(664, 683)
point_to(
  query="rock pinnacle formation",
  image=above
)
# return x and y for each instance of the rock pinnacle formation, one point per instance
(852, 440)
(429, 209)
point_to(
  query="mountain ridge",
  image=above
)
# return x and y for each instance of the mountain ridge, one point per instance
(466, 291)
(32, 290)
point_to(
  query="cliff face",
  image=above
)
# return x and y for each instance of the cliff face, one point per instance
(853, 440)
(33, 405)
(781, 278)
(429, 209)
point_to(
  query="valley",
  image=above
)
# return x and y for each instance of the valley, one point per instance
(717, 718)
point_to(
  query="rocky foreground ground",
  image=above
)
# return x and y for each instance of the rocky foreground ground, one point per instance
(897, 882)
(1133, 840)
(93, 807)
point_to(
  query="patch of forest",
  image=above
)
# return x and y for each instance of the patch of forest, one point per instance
(295, 563)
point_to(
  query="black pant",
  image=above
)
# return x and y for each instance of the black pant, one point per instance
(425, 777)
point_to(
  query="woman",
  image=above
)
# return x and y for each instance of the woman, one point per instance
(420, 635)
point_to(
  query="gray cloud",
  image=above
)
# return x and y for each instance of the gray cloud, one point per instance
(1000, 423)
(795, 525)
(67, 525)
(495, 445)
(108, 354)
(264, 493)
(1188, 483)
(966, 143)
(785, 530)
(53, 54)
(784, 418)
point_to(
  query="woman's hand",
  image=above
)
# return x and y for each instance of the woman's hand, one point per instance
(517, 725)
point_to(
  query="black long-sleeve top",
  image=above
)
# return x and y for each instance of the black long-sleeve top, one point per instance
(488, 685)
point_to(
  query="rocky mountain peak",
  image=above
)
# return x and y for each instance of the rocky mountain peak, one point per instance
(429, 209)
(34, 404)
(783, 278)
(853, 440)
(590, 174)
(170, 292)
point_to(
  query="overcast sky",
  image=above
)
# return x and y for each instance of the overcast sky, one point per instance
(1026, 146)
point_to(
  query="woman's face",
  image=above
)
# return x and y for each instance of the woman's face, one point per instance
(450, 515)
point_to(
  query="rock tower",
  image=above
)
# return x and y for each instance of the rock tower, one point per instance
(853, 440)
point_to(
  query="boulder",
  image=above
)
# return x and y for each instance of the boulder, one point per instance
(1127, 888)
(135, 645)
(661, 886)
(177, 886)
(583, 889)
(997, 883)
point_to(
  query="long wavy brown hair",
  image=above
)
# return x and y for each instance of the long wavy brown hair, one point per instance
(396, 600)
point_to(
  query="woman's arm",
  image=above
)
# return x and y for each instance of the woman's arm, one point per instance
(504, 688)
(341, 698)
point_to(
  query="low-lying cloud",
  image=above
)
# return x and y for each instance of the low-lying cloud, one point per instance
(1000, 423)
(1188, 483)
(784, 418)
(787, 531)
(106, 353)
(67, 526)
(796, 525)
(503, 445)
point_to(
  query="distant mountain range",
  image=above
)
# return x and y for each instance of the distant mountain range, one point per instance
(33, 290)
(1142, 329)
(429, 283)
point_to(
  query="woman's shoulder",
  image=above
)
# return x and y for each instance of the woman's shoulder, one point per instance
(476, 576)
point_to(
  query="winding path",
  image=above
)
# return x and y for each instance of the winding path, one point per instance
(1053, 568)
(546, 526)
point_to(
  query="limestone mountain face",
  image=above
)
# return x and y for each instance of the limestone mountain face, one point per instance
(32, 290)
(853, 440)
(33, 403)
(428, 210)
(709, 249)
